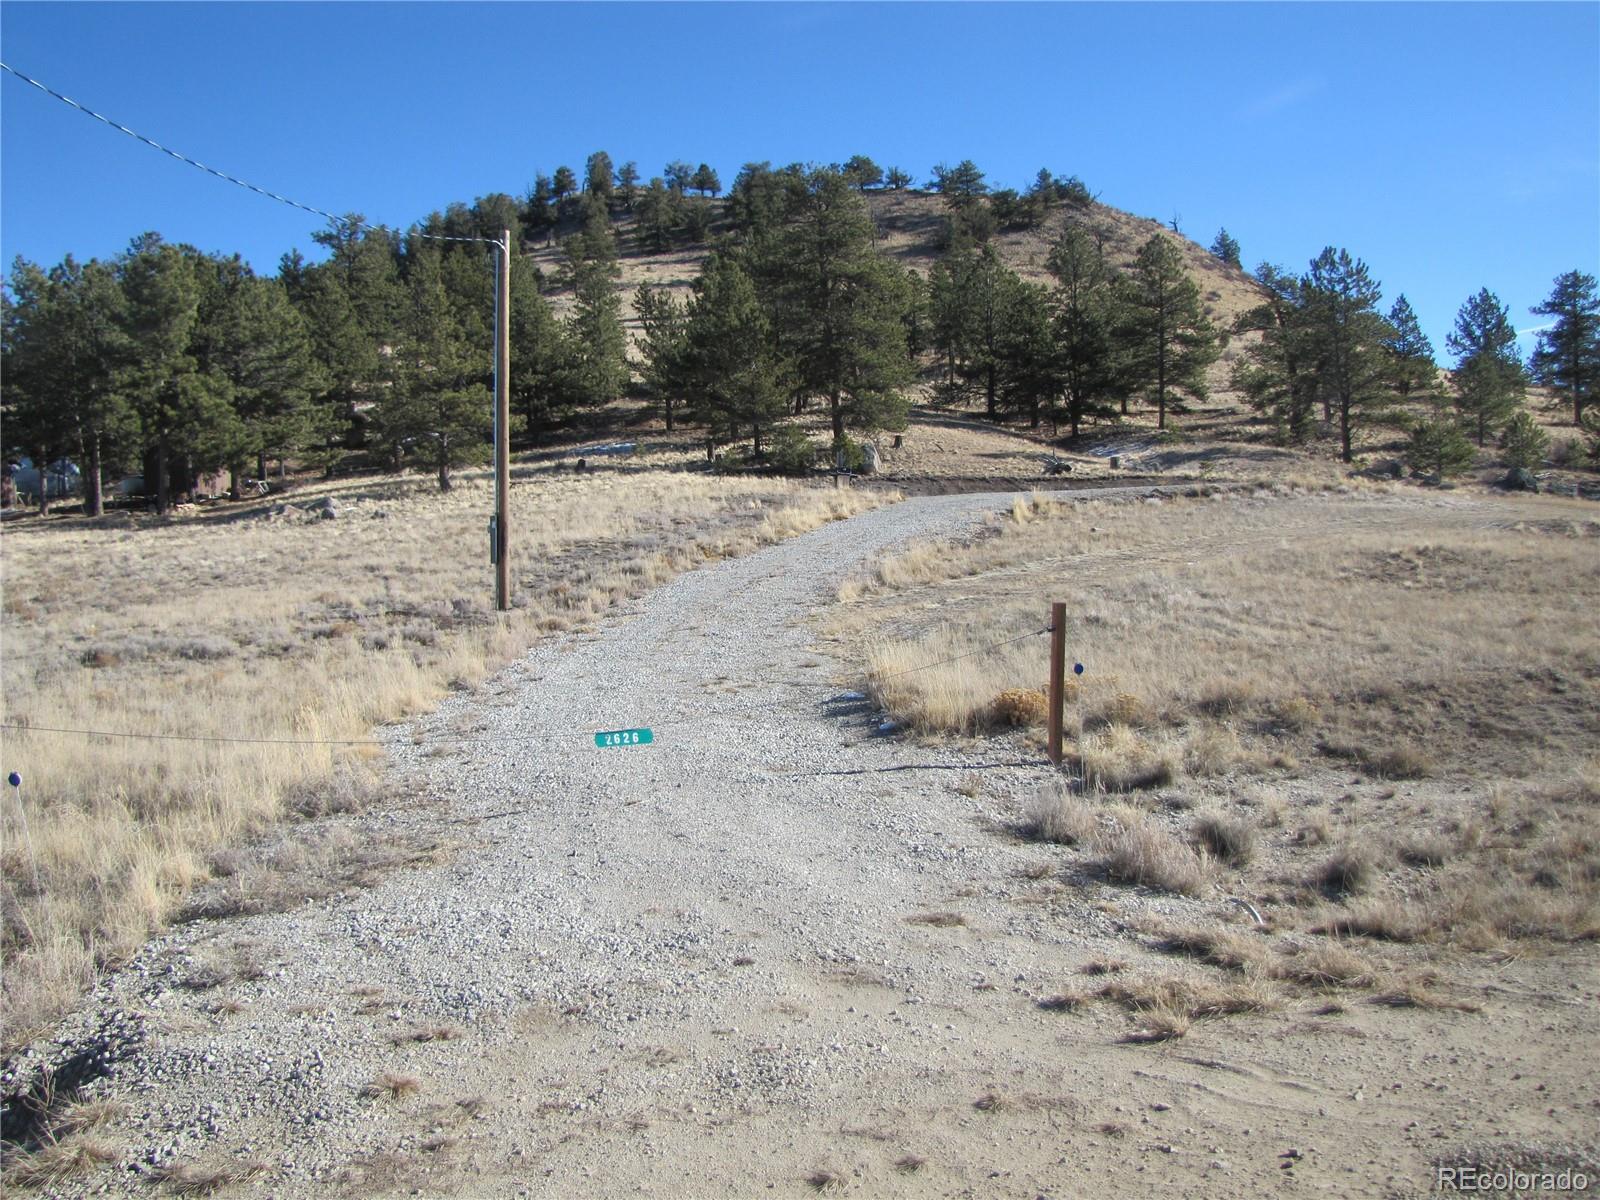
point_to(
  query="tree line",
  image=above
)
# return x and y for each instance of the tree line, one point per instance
(176, 362)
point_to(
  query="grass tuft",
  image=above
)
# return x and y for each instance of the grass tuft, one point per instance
(1232, 841)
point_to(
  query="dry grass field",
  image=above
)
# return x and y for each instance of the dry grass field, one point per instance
(1370, 716)
(255, 622)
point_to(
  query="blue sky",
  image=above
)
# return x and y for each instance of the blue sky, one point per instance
(1452, 147)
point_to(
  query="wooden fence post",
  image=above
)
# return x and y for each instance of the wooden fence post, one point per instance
(1058, 677)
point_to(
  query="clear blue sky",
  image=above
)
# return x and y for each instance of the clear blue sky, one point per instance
(1452, 147)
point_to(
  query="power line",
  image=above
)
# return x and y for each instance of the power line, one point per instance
(223, 175)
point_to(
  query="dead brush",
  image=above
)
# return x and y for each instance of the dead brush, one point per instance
(1121, 760)
(1416, 994)
(1349, 872)
(392, 1085)
(1326, 967)
(426, 1033)
(1056, 816)
(1068, 1002)
(825, 1180)
(197, 1179)
(56, 1162)
(1219, 947)
(1019, 708)
(1135, 851)
(1232, 841)
(939, 920)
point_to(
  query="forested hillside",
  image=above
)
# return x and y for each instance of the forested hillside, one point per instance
(835, 290)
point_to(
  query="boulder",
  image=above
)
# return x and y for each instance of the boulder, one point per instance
(1519, 479)
(870, 461)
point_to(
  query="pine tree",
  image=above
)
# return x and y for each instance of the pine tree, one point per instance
(1029, 355)
(1226, 247)
(628, 184)
(543, 366)
(438, 407)
(1411, 363)
(1438, 447)
(896, 180)
(595, 327)
(1523, 442)
(660, 216)
(1277, 373)
(1170, 340)
(1567, 358)
(728, 357)
(538, 213)
(1489, 377)
(705, 181)
(679, 175)
(597, 176)
(1345, 339)
(950, 317)
(564, 184)
(1086, 321)
(663, 331)
(862, 172)
(840, 307)
(989, 295)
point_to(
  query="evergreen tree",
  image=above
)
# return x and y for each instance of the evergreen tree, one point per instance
(438, 408)
(1086, 322)
(1346, 340)
(660, 217)
(564, 184)
(728, 357)
(1438, 447)
(597, 176)
(862, 172)
(663, 343)
(63, 349)
(538, 213)
(1524, 442)
(595, 327)
(842, 307)
(1488, 376)
(628, 184)
(1170, 341)
(1226, 247)
(1278, 372)
(989, 297)
(679, 176)
(543, 369)
(705, 181)
(1567, 357)
(1411, 363)
(896, 180)
(1030, 376)
(950, 316)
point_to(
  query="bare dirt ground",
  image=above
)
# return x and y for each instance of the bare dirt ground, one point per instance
(778, 951)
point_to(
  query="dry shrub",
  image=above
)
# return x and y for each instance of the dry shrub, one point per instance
(909, 1163)
(1403, 761)
(1064, 1002)
(1416, 994)
(1018, 708)
(1428, 850)
(195, 1179)
(1226, 698)
(1225, 838)
(1134, 851)
(1350, 871)
(56, 1162)
(1294, 715)
(825, 1180)
(427, 1033)
(1211, 751)
(392, 1085)
(1219, 947)
(1158, 1025)
(1124, 709)
(1328, 966)
(1120, 760)
(1056, 816)
(1103, 966)
(1382, 919)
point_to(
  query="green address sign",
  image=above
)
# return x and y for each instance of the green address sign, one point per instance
(624, 737)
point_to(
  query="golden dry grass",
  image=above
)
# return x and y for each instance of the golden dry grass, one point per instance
(237, 624)
(1382, 702)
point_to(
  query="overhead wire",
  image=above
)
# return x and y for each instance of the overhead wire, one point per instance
(347, 222)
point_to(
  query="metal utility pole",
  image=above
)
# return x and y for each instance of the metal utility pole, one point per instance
(500, 539)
